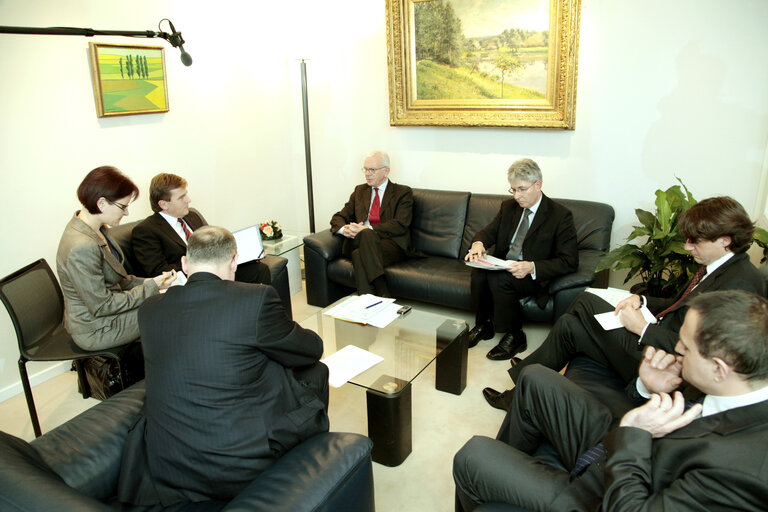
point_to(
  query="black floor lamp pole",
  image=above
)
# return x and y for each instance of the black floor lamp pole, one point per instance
(307, 151)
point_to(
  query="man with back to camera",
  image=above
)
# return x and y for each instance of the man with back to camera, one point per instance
(376, 225)
(668, 454)
(160, 240)
(232, 383)
(719, 232)
(537, 237)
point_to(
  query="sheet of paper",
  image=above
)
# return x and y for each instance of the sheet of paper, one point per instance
(610, 321)
(181, 279)
(361, 309)
(249, 245)
(347, 363)
(489, 262)
(610, 295)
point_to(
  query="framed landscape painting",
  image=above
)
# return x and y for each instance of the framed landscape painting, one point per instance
(128, 79)
(483, 62)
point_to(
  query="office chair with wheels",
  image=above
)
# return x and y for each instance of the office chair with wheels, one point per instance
(35, 304)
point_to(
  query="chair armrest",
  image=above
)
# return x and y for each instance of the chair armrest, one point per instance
(330, 471)
(325, 243)
(86, 451)
(584, 275)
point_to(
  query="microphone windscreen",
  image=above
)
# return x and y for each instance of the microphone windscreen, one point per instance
(186, 58)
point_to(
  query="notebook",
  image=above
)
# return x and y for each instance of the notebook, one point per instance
(249, 246)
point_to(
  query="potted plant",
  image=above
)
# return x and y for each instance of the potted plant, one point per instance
(659, 259)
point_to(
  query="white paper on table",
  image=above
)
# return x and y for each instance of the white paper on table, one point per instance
(610, 295)
(489, 262)
(361, 309)
(348, 363)
(610, 321)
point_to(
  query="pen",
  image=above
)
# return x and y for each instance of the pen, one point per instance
(374, 304)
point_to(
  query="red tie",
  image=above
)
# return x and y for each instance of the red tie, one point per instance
(373, 215)
(697, 277)
(187, 232)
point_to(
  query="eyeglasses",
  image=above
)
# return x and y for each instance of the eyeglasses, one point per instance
(123, 207)
(371, 170)
(520, 190)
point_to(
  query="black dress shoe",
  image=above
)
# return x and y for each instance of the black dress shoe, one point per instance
(509, 345)
(483, 331)
(496, 399)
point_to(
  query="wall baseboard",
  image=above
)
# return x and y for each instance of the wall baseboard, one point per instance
(35, 379)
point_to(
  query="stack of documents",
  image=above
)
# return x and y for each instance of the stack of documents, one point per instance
(489, 262)
(366, 309)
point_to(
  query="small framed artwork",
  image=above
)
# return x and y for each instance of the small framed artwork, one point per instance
(128, 79)
(483, 63)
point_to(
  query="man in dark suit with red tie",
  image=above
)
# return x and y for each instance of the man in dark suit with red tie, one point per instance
(719, 232)
(668, 454)
(160, 240)
(537, 238)
(376, 224)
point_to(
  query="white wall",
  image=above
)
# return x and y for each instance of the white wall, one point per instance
(665, 89)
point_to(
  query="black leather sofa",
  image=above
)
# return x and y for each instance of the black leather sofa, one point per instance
(277, 266)
(443, 225)
(75, 467)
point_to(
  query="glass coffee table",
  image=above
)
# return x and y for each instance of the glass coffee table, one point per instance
(408, 345)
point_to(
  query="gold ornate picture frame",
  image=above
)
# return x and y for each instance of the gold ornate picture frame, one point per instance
(465, 63)
(128, 79)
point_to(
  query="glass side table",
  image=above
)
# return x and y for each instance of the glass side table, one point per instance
(288, 247)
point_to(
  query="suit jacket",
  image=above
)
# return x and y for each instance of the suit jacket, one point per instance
(222, 403)
(396, 212)
(714, 463)
(157, 247)
(550, 243)
(97, 290)
(737, 273)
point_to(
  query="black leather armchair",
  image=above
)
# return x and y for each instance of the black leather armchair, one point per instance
(277, 266)
(444, 223)
(76, 466)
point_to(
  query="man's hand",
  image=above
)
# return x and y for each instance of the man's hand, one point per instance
(660, 371)
(632, 320)
(661, 415)
(520, 269)
(631, 302)
(476, 251)
(353, 228)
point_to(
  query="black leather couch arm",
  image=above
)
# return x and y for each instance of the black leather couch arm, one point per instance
(320, 250)
(324, 244)
(328, 472)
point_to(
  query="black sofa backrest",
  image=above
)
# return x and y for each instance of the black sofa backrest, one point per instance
(438, 219)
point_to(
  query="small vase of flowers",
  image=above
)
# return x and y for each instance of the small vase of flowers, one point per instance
(271, 230)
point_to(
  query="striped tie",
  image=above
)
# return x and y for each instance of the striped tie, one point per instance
(187, 232)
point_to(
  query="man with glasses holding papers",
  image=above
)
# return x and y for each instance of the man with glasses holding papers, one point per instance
(537, 239)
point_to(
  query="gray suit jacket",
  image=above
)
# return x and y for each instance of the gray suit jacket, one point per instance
(100, 298)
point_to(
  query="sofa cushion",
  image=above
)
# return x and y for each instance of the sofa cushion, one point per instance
(27, 482)
(434, 279)
(481, 210)
(593, 223)
(438, 221)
